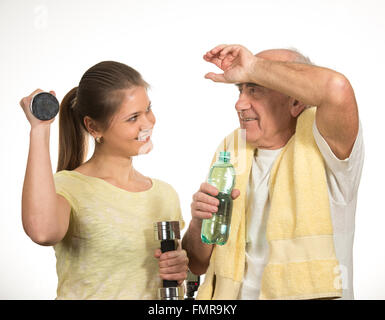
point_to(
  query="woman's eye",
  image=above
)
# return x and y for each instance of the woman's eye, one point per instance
(134, 118)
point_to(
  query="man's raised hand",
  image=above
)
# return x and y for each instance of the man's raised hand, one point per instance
(236, 61)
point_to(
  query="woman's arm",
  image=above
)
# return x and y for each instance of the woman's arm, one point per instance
(45, 214)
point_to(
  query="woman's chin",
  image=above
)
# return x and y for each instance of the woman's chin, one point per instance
(145, 148)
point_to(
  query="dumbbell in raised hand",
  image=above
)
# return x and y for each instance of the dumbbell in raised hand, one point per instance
(44, 106)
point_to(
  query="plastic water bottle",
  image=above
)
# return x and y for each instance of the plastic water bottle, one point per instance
(216, 230)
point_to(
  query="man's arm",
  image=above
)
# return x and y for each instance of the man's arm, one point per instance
(203, 205)
(199, 253)
(330, 91)
(337, 112)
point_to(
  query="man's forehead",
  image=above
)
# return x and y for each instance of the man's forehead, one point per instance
(248, 84)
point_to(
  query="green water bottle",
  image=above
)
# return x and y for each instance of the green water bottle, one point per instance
(216, 230)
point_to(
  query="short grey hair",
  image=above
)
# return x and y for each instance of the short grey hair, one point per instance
(300, 58)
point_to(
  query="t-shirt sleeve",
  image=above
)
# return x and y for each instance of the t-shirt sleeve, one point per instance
(343, 175)
(178, 212)
(63, 188)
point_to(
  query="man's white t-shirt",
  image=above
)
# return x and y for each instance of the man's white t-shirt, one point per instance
(343, 178)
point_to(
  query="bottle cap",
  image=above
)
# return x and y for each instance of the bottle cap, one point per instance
(224, 156)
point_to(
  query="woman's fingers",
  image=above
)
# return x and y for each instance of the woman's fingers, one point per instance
(173, 265)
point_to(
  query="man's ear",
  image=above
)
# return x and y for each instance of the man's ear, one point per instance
(296, 108)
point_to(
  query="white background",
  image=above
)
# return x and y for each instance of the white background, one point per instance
(50, 44)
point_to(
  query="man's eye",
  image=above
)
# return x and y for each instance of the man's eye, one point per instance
(149, 108)
(133, 119)
(256, 91)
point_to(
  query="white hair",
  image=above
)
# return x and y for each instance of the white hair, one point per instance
(300, 58)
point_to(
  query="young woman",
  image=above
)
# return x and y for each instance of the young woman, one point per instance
(99, 214)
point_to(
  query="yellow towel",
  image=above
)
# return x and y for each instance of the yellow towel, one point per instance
(302, 262)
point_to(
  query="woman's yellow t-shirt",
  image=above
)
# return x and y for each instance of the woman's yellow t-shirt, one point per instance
(108, 251)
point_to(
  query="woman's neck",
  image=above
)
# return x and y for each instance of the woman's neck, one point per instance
(108, 167)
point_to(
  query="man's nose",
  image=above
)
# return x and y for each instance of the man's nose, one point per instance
(243, 103)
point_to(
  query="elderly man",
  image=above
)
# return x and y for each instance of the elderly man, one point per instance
(293, 218)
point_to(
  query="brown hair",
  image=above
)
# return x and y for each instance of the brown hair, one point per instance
(98, 96)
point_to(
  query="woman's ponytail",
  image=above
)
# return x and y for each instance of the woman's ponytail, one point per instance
(73, 139)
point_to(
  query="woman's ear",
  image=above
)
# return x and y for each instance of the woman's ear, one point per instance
(91, 126)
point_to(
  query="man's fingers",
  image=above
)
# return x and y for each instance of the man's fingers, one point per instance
(204, 197)
(217, 49)
(233, 50)
(202, 214)
(215, 77)
(204, 202)
(201, 206)
(235, 193)
(202, 210)
(213, 53)
(222, 50)
(214, 60)
(209, 189)
(222, 56)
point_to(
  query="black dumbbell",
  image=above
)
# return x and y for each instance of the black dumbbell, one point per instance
(168, 232)
(44, 106)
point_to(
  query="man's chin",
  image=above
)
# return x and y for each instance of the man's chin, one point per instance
(252, 138)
